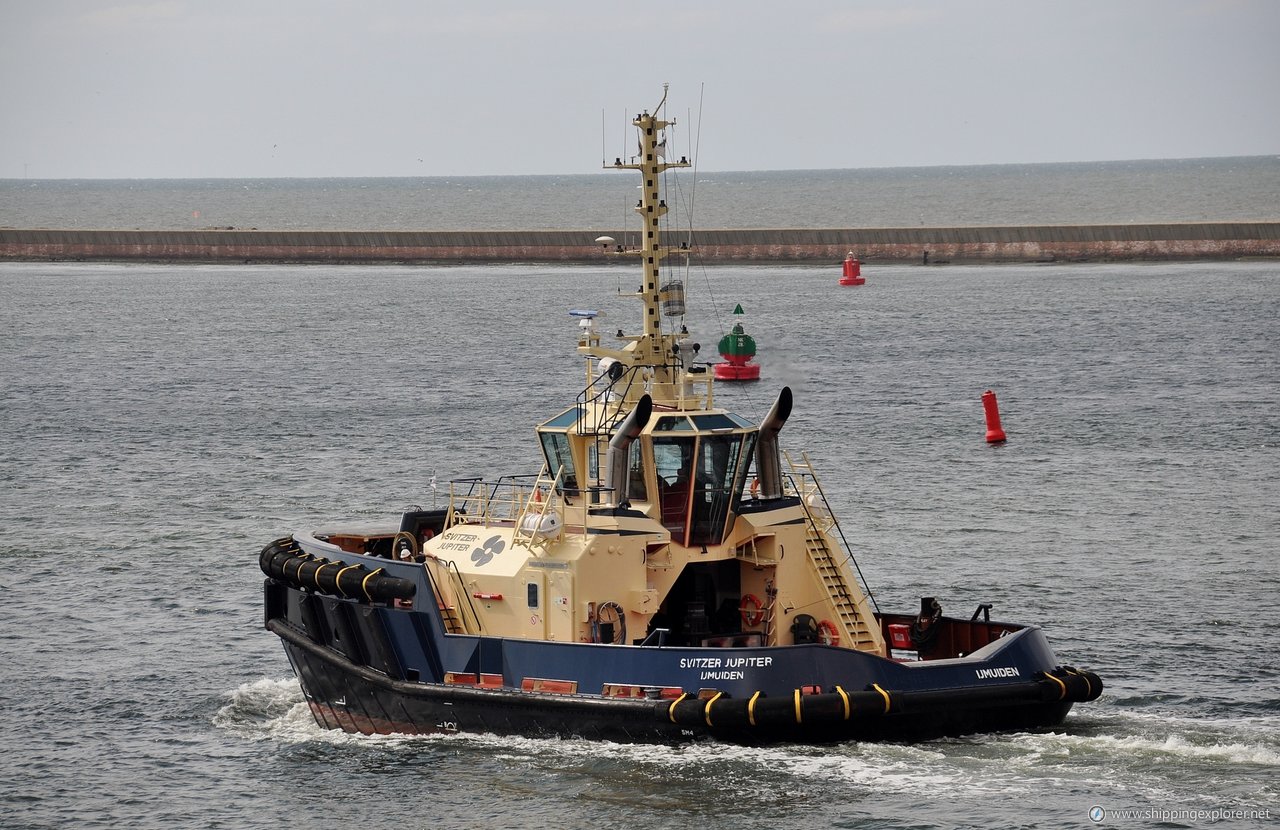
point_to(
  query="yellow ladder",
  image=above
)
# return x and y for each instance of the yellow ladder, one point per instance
(452, 624)
(453, 614)
(533, 512)
(855, 620)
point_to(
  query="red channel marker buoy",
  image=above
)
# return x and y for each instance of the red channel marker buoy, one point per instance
(994, 433)
(852, 271)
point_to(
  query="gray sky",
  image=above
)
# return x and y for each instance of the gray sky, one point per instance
(269, 88)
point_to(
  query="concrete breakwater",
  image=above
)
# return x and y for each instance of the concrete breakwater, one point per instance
(1010, 243)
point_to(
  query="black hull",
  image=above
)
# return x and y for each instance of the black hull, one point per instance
(357, 699)
(369, 665)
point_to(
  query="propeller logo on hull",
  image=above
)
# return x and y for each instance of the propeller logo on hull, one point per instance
(491, 548)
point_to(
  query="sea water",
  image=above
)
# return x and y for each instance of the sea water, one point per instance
(1115, 192)
(160, 424)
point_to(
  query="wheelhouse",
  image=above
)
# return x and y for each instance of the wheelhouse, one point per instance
(687, 470)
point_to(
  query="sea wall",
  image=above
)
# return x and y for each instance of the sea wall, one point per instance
(1012, 243)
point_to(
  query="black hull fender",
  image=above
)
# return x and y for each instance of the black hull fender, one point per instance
(284, 561)
(1064, 684)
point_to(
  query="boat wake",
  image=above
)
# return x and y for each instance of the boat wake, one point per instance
(1171, 748)
(273, 710)
(1161, 736)
(1103, 753)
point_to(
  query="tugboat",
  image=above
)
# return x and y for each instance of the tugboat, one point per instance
(670, 574)
(737, 348)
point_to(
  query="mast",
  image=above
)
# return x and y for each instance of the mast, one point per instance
(652, 348)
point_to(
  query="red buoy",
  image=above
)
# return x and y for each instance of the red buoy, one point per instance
(994, 433)
(852, 271)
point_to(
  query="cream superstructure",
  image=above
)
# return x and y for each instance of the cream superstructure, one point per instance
(656, 514)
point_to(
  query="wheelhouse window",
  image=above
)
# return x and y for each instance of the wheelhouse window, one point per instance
(700, 478)
(555, 445)
(636, 489)
(717, 485)
(673, 460)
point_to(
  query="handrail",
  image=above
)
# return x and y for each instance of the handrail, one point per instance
(499, 501)
(770, 604)
(662, 637)
(534, 507)
(606, 386)
(435, 589)
(455, 575)
(835, 523)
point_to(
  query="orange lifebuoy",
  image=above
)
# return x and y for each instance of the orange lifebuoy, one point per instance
(827, 634)
(752, 610)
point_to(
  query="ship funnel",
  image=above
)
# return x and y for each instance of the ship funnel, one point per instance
(768, 456)
(619, 481)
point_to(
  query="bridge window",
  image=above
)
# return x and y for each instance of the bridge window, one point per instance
(556, 447)
(717, 486)
(673, 460)
(699, 481)
(635, 466)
